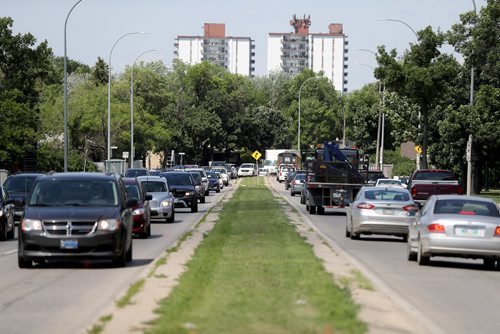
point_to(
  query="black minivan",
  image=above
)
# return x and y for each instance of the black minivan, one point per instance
(76, 216)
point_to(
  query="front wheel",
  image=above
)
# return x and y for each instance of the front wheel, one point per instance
(194, 206)
(3, 230)
(22, 263)
(202, 200)
(172, 217)
(128, 255)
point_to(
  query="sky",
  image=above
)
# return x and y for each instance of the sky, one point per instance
(95, 25)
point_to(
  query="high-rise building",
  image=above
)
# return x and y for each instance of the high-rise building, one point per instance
(294, 51)
(236, 54)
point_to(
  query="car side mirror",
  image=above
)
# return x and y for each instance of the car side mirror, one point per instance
(131, 203)
(148, 197)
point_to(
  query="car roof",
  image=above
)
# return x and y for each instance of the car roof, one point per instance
(151, 178)
(80, 175)
(464, 197)
(401, 189)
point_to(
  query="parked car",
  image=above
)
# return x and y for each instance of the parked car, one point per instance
(380, 210)
(181, 185)
(18, 187)
(297, 183)
(135, 172)
(247, 169)
(456, 226)
(76, 216)
(7, 227)
(388, 183)
(141, 214)
(213, 181)
(223, 173)
(162, 201)
(198, 186)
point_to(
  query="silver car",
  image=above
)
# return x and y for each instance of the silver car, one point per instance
(380, 210)
(162, 203)
(297, 183)
(455, 226)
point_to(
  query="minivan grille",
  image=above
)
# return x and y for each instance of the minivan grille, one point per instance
(69, 228)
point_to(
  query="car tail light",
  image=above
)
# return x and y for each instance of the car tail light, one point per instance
(435, 228)
(413, 191)
(365, 206)
(497, 231)
(410, 208)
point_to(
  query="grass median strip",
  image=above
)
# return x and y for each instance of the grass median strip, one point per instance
(253, 273)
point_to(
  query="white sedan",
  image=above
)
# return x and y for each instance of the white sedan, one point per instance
(456, 226)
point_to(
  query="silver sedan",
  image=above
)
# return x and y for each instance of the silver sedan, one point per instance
(456, 226)
(162, 203)
(380, 210)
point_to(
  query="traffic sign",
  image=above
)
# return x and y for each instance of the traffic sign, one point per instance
(418, 149)
(256, 155)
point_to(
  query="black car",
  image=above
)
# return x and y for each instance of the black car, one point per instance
(18, 187)
(213, 181)
(135, 172)
(76, 216)
(198, 185)
(182, 186)
(7, 227)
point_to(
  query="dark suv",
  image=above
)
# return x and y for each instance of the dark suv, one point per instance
(7, 227)
(18, 187)
(182, 186)
(76, 216)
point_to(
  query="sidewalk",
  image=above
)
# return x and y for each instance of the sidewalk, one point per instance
(380, 312)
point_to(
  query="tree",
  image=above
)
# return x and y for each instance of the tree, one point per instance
(100, 72)
(24, 68)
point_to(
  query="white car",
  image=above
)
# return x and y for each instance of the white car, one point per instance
(247, 169)
(283, 172)
(388, 183)
(263, 172)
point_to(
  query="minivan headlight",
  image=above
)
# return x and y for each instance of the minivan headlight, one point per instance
(165, 203)
(31, 225)
(108, 224)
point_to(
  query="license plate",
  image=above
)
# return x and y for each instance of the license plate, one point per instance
(388, 212)
(469, 232)
(336, 195)
(69, 244)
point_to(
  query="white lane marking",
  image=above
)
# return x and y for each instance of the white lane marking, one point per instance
(9, 252)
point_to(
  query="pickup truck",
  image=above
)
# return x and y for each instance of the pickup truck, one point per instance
(426, 182)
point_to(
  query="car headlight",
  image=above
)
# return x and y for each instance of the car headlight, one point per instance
(165, 203)
(138, 211)
(31, 225)
(1, 213)
(108, 224)
(189, 193)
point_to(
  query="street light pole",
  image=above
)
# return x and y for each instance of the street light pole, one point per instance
(402, 22)
(298, 127)
(66, 91)
(109, 89)
(132, 151)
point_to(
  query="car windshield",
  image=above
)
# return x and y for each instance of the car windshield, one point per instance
(391, 182)
(71, 192)
(387, 195)
(300, 177)
(19, 184)
(132, 191)
(466, 207)
(178, 179)
(154, 186)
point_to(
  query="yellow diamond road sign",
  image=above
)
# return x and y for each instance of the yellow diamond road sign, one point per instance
(418, 148)
(256, 155)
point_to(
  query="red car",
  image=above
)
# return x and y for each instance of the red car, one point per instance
(141, 213)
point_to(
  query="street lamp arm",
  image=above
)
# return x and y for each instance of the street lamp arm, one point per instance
(66, 90)
(402, 22)
(366, 50)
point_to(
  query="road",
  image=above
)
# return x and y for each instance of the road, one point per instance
(455, 295)
(67, 297)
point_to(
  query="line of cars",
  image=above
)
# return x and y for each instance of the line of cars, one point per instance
(447, 225)
(65, 216)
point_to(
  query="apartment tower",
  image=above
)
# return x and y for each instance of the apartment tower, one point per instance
(236, 54)
(294, 51)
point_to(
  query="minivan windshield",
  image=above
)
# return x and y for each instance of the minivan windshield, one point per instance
(71, 192)
(178, 179)
(19, 184)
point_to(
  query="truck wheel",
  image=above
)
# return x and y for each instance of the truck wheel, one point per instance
(321, 210)
(202, 200)
(312, 209)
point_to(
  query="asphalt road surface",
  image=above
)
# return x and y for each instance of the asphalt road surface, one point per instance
(453, 295)
(65, 297)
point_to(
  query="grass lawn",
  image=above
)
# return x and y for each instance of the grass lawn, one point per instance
(492, 193)
(254, 274)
